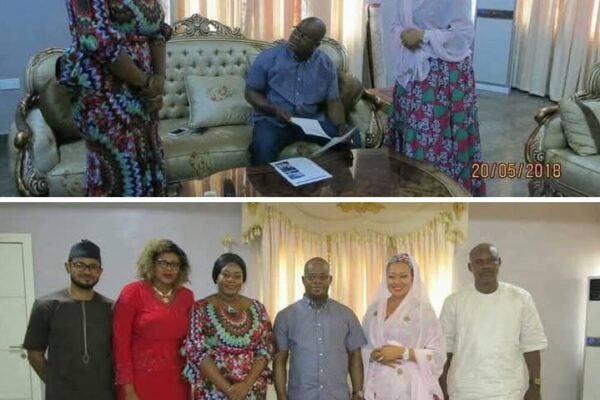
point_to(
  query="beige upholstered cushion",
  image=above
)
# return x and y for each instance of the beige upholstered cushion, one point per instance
(55, 105)
(251, 58)
(67, 177)
(579, 176)
(44, 146)
(581, 123)
(553, 134)
(217, 101)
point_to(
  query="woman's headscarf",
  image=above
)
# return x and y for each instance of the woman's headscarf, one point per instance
(450, 31)
(414, 325)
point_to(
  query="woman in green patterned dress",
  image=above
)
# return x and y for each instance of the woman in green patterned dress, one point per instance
(230, 342)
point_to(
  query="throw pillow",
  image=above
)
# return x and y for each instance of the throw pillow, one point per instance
(581, 124)
(55, 105)
(217, 101)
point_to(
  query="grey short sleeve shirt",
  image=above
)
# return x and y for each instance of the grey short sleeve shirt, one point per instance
(319, 340)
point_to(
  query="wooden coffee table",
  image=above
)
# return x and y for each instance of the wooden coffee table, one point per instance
(356, 173)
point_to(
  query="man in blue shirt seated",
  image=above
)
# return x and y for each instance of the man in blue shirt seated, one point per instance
(294, 79)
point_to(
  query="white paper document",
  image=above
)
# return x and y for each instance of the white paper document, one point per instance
(310, 127)
(333, 142)
(300, 171)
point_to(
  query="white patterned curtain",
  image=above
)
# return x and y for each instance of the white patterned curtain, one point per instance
(166, 6)
(378, 61)
(356, 241)
(555, 46)
(271, 20)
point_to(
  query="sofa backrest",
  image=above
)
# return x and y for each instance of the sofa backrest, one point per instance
(202, 57)
(40, 69)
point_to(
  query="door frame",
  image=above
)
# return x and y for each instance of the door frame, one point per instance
(24, 239)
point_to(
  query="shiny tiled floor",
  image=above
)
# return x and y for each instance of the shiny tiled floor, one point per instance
(506, 123)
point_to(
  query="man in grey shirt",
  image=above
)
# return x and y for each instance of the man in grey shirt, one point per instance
(324, 338)
(74, 326)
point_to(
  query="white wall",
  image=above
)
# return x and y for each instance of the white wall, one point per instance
(121, 230)
(26, 27)
(549, 250)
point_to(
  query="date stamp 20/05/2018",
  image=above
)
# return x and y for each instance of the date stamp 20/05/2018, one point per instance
(515, 170)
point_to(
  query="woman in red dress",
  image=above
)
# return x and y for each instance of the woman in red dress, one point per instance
(150, 322)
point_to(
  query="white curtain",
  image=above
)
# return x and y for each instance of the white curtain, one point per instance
(273, 19)
(357, 247)
(433, 249)
(376, 24)
(166, 6)
(555, 46)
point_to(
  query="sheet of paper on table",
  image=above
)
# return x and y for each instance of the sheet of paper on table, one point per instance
(300, 171)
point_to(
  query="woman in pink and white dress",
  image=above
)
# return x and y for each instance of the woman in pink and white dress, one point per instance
(434, 118)
(405, 353)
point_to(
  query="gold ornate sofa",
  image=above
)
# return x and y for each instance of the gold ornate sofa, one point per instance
(45, 162)
(548, 146)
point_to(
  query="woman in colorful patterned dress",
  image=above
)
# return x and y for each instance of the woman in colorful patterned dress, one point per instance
(230, 342)
(150, 322)
(434, 118)
(116, 66)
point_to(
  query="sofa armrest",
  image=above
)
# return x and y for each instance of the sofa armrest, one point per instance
(547, 135)
(35, 151)
(369, 119)
(545, 113)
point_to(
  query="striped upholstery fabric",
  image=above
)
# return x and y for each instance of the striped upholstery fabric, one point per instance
(593, 85)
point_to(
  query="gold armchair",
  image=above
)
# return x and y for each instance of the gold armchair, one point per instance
(547, 145)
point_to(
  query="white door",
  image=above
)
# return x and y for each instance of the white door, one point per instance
(17, 380)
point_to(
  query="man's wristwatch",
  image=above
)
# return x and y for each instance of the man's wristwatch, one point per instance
(358, 393)
(535, 381)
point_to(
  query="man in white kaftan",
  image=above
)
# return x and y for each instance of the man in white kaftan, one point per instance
(493, 332)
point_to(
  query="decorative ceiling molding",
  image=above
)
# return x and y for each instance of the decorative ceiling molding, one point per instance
(361, 208)
(390, 221)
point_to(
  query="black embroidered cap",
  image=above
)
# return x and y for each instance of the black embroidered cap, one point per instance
(85, 248)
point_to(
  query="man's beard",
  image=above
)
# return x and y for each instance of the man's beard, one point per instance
(84, 286)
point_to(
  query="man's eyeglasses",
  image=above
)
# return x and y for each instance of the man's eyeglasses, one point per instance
(164, 264)
(81, 266)
(304, 36)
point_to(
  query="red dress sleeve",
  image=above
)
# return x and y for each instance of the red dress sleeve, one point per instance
(123, 320)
